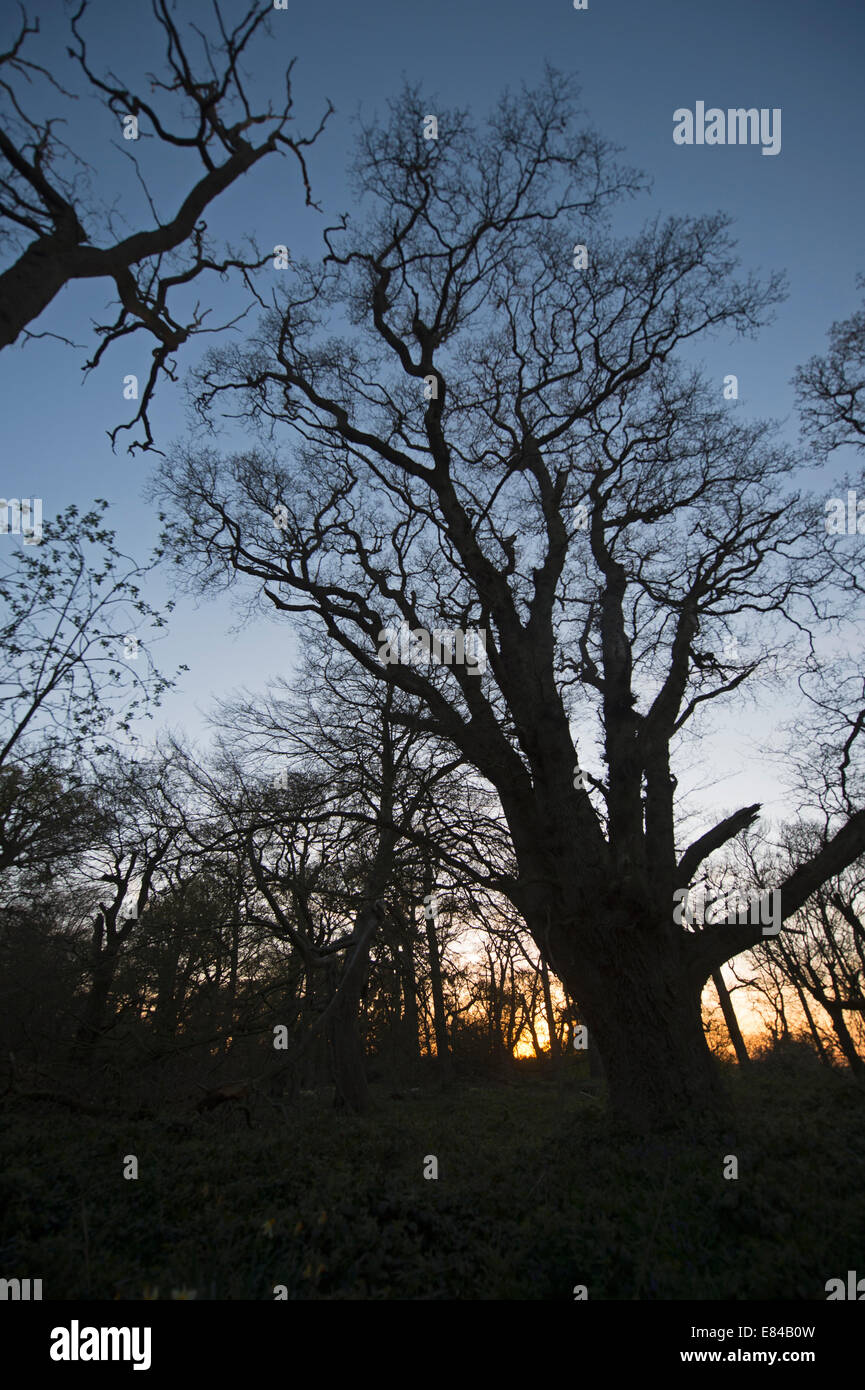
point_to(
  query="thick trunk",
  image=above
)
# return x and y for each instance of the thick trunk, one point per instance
(643, 1013)
(596, 1066)
(659, 1070)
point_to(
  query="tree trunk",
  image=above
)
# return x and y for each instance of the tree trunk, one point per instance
(549, 1011)
(440, 1022)
(809, 1017)
(643, 1012)
(93, 1019)
(165, 1013)
(347, 1048)
(102, 970)
(409, 1029)
(231, 1001)
(730, 1019)
(659, 1070)
(349, 1062)
(510, 1036)
(314, 1058)
(842, 1033)
(533, 1033)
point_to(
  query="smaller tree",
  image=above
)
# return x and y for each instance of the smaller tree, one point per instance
(821, 957)
(831, 387)
(140, 827)
(47, 818)
(72, 665)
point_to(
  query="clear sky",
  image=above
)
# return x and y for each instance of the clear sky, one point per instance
(637, 61)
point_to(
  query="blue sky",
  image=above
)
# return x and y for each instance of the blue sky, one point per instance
(637, 61)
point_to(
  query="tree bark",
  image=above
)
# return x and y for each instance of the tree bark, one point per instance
(641, 1002)
(660, 1072)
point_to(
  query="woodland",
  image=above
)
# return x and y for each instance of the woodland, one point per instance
(378, 990)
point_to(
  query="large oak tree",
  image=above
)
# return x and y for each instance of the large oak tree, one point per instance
(470, 423)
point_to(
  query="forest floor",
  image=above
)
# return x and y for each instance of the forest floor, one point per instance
(536, 1194)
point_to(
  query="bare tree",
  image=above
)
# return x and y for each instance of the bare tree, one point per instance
(373, 782)
(821, 956)
(203, 108)
(831, 388)
(138, 831)
(503, 440)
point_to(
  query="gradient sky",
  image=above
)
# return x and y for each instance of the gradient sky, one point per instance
(637, 61)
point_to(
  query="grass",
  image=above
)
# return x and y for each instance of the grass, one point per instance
(536, 1193)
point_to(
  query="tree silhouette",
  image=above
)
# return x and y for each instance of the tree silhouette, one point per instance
(501, 435)
(43, 200)
(831, 387)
